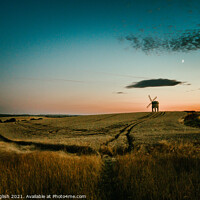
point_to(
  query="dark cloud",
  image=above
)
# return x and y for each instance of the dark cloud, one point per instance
(186, 41)
(120, 93)
(154, 83)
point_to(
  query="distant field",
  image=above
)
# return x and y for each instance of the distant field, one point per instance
(96, 131)
(114, 156)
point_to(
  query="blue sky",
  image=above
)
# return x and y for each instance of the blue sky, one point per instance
(73, 56)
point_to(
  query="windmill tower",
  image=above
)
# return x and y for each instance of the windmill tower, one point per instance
(155, 104)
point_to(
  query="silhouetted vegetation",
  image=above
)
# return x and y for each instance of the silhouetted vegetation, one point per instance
(14, 115)
(192, 119)
(59, 116)
(40, 115)
(10, 120)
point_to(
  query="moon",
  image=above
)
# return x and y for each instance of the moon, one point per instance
(183, 61)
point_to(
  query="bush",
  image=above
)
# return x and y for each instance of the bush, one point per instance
(11, 120)
(192, 120)
(32, 119)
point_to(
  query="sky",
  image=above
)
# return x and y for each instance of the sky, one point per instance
(102, 56)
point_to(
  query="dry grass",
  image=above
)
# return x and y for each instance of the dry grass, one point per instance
(168, 172)
(163, 171)
(113, 150)
(163, 165)
(95, 130)
(49, 173)
(82, 130)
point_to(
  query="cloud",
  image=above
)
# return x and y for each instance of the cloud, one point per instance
(186, 41)
(154, 83)
(120, 93)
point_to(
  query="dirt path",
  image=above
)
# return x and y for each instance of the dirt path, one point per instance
(128, 128)
(108, 184)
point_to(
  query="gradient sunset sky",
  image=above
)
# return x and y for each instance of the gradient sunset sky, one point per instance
(76, 56)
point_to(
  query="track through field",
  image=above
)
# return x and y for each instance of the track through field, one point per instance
(128, 128)
(125, 131)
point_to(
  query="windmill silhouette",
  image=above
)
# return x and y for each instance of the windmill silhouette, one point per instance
(155, 104)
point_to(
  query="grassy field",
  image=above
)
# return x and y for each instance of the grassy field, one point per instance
(115, 156)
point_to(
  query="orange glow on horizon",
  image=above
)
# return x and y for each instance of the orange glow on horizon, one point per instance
(97, 108)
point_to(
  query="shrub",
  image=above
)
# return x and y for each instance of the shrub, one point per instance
(11, 120)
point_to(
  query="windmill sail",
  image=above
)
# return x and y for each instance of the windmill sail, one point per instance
(154, 99)
(150, 98)
(155, 104)
(149, 105)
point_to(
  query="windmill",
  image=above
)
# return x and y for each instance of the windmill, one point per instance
(155, 104)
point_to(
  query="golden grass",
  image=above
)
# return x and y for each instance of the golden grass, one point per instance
(49, 173)
(153, 170)
(162, 171)
(168, 172)
(93, 131)
(147, 178)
